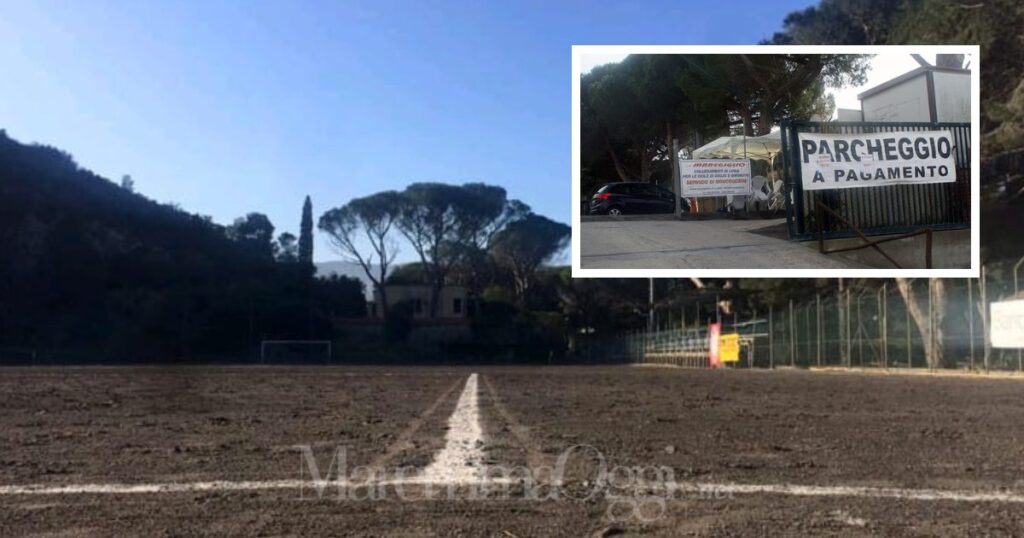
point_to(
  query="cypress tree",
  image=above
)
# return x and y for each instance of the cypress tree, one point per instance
(306, 234)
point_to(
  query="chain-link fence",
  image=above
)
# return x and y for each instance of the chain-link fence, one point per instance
(923, 323)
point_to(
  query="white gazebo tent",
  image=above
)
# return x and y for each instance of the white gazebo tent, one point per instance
(762, 148)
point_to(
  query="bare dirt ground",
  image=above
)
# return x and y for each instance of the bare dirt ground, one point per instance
(68, 426)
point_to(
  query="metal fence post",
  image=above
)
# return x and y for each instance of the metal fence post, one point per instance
(970, 319)
(849, 341)
(1016, 266)
(882, 307)
(818, 312)
(931, 327)
(792, 336)
(984, 316)
(906, 312)
(860, 333)
(753, 340)
(807, 331)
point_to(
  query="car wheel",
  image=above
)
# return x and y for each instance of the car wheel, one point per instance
(614, 211)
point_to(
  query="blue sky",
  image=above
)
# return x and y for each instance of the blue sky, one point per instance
(231, 107)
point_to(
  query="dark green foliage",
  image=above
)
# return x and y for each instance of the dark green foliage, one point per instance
(523, 245)
(93, 271)
(631, 111)
(407, 273)
(338, 297)
(285, 249)
(843, 22)
(449, 224)
(306, 233)
(398, 322)
(994, 25)
(255, 233)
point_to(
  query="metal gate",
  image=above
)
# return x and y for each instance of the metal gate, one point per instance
(890, 209)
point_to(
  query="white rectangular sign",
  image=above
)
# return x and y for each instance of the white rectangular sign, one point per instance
(1008, 324)
(714, 177)
(844, 161)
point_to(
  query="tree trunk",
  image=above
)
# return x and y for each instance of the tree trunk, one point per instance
(645, 161)
(619, 169)
(435, 299)
(927, 316)
(748, 125)
(522, 282)
(764, 123)
(383, 300)
(937, 286)
(673, 160)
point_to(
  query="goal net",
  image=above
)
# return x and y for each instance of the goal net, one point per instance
(297, 351)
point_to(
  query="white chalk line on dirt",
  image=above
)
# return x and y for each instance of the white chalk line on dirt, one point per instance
(461, 459)
(460, 462)
(219, 485)
(849, 491)
(689, 487)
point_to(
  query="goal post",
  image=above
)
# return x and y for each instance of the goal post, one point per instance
(295, 349)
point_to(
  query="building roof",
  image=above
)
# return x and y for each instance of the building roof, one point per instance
(908, 76)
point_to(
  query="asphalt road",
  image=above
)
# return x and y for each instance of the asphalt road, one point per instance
(610, 243)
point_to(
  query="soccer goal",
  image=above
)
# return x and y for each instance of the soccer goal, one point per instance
(295, 351)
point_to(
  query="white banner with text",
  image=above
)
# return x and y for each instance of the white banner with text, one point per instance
(1008, 324)
(703, 178)
(846, 161)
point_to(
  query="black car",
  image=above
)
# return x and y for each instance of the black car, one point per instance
(632, 198)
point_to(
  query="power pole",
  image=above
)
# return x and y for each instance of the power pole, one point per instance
(677, 187)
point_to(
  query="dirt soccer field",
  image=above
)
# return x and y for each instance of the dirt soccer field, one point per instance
(644, 451)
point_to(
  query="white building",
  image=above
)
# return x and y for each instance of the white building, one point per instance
(453, 302)
(926, 94)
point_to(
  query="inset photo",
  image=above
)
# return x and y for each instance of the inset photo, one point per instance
(796, 161)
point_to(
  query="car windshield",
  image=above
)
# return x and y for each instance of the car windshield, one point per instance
(605, 188)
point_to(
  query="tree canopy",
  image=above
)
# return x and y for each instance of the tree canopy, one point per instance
(524, 244)
(631, 111)
(255, 232)
(371, 219)
(447, 224)
(994, 25)
(94, 271)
